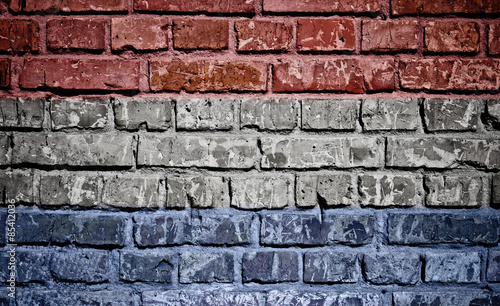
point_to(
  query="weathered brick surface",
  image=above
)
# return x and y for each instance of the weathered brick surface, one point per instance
(263, 35)
(451, 114)
(340, 152)
(19, 35)
(270, 267)
(4, 72)
(20, 112)
(206, 267)
(84, 266)
(326, 34)
(145, 267)
(391, 268)
(332, 189)
(207, 75)
(61, 6)
(329, 114)
(76, 34)
(453, 267)
(442, 228)
(255, 192)
(198, 191)
(134, 191)
(69, 189)
(302, 230)
(496, 190)
(204, 114)
(493, 268)
(32, 266)
(195, 34)
(84, 74)
(189, 151)
(331, 267)
(3, 219)
(353, 75)
(390, 190)
(144, 33)
(221, 297)
(456, 190)
(73, 150)
(451, 36)
(449, 298)
(405, 7)
(74, 297)
(321, 6)
(494, 39)
(5, 149)
(305, 298)
(210, 6)
(442, 152)
(134, 113)
(384, 114)
(78, 112)
(390, 35)
(274, 114)
(18, 187)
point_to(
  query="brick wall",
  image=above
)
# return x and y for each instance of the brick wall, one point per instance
(250, 152)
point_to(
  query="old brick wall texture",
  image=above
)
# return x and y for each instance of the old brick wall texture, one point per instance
(251, 152)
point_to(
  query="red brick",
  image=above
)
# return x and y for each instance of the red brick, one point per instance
(209, 6)
(207, 75)
(4, 72)
(192, 34)
(76, 33)
(145, 33)
(326, 34)
(381, 35)
(319, 6)
(55, 6)
(446, 74)
(349, 75)
(19, 35)
(80, 74)
(494, 39)
(452, 37)
(407, 7)
(262, 35)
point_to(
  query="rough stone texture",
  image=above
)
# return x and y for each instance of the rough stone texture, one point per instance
(328, 189)
(392, 268)
(189, 151)
(306, 229)
(81, 74)
(385, 114)
(206, 267)
(4, 72)
(73, 150)
(151, 230)
(269, 114)
(134, 191)
(491, 116)
(310, 298)
(442, 152)
(353, 75)
(201, 298)
(388, 189)
(57, 6)
(440, 74)
(451, 114)
(19, 35)
(456, 190)
(199, 34)
(19, 112)
(263, 35)
(3, 218)
(5, 149)
(270, 267)
(143, 33)
(209, 6)
(459, 268)
(390, 35)
(459, 298)
(197, 191)
(72, 297)
(205, 114)
(145, 267)
(329, 114)
(326, 34)
(32, 266)
(134, 113)
(73, 189)
(418, 228)
(81, 266)
(315, 152)
(332, 267)
(494, 39)
(451, 36)
(496, 190)
(78, 112)
(317, 6)
(493, 268)
(18, 187)
(76, 34)
(407, 7)
(207, 75)
(262, 191)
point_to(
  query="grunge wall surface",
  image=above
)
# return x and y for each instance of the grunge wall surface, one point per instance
(250, 152)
